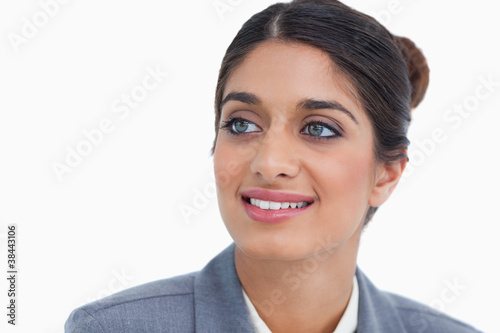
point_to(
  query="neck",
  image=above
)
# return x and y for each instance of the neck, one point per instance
(304, 295)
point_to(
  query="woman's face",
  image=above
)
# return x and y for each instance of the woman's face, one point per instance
(291, 133)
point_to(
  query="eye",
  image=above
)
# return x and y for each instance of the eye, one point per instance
(238, 126)
(320, 130)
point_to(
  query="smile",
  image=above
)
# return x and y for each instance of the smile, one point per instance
(274, 207)
(277, 205)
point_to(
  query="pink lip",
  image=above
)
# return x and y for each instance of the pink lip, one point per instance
(273, 216)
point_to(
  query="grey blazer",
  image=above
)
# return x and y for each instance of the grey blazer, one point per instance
(211, 300)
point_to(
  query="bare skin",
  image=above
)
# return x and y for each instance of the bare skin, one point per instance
(298, 273)
(305, 295)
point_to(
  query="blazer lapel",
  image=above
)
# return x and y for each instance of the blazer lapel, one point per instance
(219, 305)
(376, 313)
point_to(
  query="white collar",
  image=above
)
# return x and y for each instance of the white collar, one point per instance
(347, 324)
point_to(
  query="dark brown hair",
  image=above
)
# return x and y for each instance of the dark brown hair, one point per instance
(389, 73)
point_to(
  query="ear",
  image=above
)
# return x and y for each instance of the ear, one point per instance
(387, 177)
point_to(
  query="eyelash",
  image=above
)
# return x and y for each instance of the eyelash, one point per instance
(227, 126)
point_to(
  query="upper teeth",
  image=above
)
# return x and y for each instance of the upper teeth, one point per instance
(276, 205)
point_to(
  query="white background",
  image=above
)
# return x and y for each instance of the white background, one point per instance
(118, 212)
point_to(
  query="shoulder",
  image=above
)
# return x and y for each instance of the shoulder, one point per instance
(383, 311)
(164, 303)
(417, 317)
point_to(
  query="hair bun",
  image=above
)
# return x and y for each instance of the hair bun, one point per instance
(417, 67)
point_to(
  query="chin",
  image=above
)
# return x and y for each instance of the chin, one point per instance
(277, 250)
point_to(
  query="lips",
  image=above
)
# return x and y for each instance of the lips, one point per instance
(290, 205)
(276, 196)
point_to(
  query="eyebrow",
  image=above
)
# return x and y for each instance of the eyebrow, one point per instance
(243, 97)
(307, 104)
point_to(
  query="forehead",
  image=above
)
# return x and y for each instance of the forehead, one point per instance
(282, 74)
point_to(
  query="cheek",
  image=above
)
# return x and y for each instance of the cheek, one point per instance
(344, 185)
(229, 166)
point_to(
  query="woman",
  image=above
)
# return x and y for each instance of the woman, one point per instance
(312, 109)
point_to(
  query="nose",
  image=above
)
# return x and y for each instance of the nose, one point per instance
(275, 156)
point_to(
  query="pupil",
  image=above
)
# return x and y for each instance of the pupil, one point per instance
(241, 126)
(315, 130)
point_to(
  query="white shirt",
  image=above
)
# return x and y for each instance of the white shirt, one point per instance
(347, 324)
